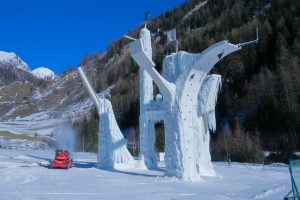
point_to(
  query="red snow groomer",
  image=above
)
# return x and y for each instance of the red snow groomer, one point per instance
(62, 160)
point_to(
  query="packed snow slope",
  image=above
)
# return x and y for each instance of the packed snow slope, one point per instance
(25, 175)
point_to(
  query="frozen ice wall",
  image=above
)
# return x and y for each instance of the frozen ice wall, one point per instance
(189, 158)
(192, 115)
(112, 148)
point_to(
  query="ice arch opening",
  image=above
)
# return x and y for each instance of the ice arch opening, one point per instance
(159, 138)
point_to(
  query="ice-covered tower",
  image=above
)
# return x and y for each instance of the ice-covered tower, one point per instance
(112, 148)
(146, 96)
(189, 97)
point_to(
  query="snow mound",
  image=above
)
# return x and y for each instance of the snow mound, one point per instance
(13, 59)
(44, 73)
(268, 192)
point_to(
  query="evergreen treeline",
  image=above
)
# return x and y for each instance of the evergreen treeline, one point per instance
(88, 133)
(261, 83)
(9, 74)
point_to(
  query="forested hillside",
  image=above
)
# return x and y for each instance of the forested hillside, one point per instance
(260, 84)
(9, 74)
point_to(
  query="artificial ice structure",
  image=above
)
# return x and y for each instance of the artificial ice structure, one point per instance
(187, 106)
(112, 148)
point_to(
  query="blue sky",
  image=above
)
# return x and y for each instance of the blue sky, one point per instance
(58, 33)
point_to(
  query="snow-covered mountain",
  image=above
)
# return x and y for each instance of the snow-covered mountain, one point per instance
(27, 95)
(62, 98)
(13, 68)
(38, 101)
(44, 73)
(14, 60)
(11, 59)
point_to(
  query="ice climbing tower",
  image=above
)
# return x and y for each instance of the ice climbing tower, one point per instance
(187, 108)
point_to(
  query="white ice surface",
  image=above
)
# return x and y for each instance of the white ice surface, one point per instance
(25, 176)
(112, 149)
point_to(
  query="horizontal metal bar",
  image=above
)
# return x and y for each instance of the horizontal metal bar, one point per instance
(250, 42)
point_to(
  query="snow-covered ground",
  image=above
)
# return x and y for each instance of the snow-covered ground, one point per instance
(23, 144)
(26, 175)
(44, 127)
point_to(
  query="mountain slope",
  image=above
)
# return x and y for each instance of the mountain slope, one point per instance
(39, 95)
(13, 68)
(261, 85)
(62, 98)
(14, 60)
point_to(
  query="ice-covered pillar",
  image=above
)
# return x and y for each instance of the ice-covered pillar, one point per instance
(192, 113)
(146, 95)
(112, 148)
(146, 82)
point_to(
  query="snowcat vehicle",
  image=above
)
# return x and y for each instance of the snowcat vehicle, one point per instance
(62, 160)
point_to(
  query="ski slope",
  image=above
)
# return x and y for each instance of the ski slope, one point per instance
(25, 175)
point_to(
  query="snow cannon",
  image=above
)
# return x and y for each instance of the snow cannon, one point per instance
(62, 160)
